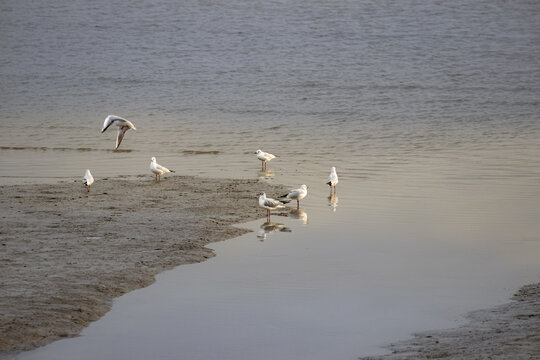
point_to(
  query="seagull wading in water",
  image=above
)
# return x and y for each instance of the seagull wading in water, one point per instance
(158, 169)
(264, 157)
(87, 180)
(269, 204)
(297, 194)
(332, 180)
(123, 126)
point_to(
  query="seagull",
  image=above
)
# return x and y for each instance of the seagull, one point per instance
(123, 126)
(264, 157)
(269, 204)
(87, 180)
(158, 169)
(332, 179)
(297, 194)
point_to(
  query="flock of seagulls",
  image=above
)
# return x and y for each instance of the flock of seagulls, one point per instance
(269, 204)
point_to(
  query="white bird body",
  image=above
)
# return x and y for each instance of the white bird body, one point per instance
(158, 169)
(123, 126)
(269, 204)
(88, 180)
(264, 157)
(333, 179)
(297, 194)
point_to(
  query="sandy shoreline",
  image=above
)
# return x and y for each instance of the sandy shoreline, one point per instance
(65, 254)
(509, 331)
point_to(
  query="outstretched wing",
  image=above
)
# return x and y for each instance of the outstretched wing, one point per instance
(121, 132)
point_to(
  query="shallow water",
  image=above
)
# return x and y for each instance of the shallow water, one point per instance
(429, 111)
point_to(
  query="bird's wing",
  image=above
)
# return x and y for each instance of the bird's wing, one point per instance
(294, 193)
(162, 168)
(108, 121)
(121, 132)
(272, 203)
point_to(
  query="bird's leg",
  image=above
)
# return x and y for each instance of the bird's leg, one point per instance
(297, 204)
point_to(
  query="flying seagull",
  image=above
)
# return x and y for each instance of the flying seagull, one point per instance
(158, 169)
(123, 126)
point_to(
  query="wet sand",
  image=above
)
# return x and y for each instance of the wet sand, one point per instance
(66, 254)
(509, 331)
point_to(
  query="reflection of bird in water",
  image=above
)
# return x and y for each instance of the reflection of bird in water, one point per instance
(266, 174)
(269, 204)
(297, 194)
(299, 214)
(333, 201)
(333, 180)
(264, 157)
(270, 227)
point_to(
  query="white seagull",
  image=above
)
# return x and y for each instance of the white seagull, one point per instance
(269, 204)
(123, 126)
(158, 169)
(333, 179)
(297, 194)
(87, 180)
(264, 157)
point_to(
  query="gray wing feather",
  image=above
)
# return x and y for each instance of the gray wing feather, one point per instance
(271, 202)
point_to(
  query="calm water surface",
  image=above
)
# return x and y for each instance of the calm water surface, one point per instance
(429, 111)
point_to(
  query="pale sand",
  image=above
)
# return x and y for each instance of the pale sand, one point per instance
(65, 254)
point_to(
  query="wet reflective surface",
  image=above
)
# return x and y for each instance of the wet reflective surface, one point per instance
(428, 111)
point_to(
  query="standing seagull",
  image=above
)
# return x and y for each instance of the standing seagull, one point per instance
(87, 180)
(264, 157)
(269, 204)
(123, 126)
(297, 194)
(332, 180)
(158, 169)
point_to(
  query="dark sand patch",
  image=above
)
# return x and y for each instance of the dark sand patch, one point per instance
(66, 254)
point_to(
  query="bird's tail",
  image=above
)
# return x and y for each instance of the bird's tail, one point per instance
(171, 170)
(284, 200)
(329, 183)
